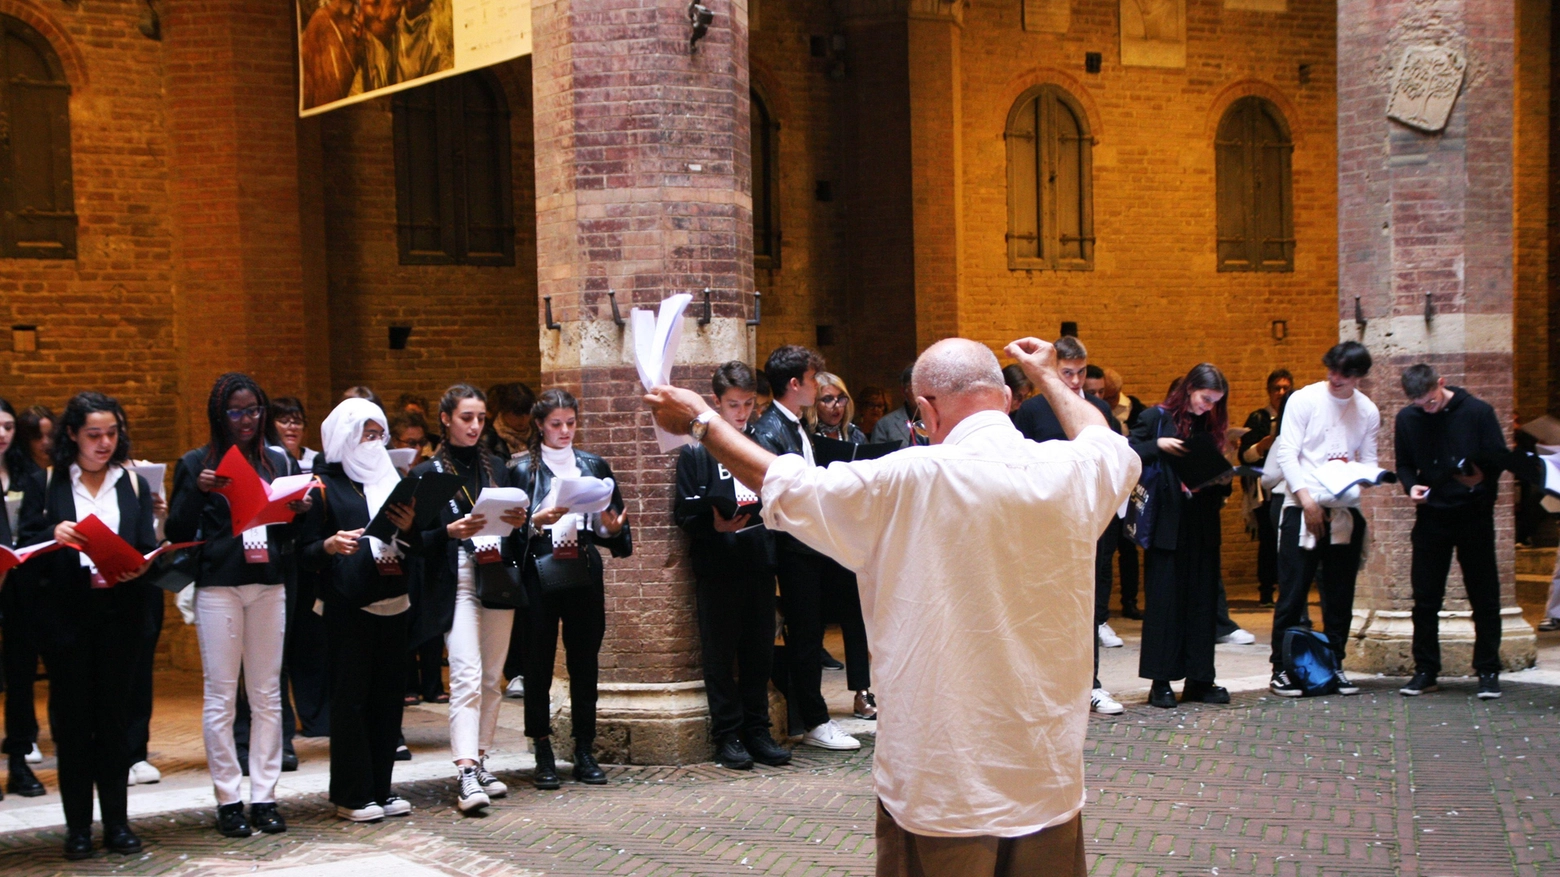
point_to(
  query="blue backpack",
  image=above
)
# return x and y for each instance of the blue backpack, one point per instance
(1310, 662)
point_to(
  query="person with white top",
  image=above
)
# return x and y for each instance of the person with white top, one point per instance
(565, 583)
(240, 603)
(962, 615)
(90, 628)
(1327, 420)
(363, 587)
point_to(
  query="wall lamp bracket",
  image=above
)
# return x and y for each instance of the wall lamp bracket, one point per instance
(758, 302)
(709, 311)
(617, 316)
(550, 322)
(1429, 308)
(699, 17)
(1359, 315)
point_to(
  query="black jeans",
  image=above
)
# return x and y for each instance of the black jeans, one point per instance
(20, 668)
(425, 669)
(737, 626)
(143, 656)
(842, 601)
(90, 691)
(801, 599)
(306, 655)
(1340, 565)
(1267, 555)
(514, 662)
(367, 676)
(1471, 532)
(583, 614)
(1107, 545)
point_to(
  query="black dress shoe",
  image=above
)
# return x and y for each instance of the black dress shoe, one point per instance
(1132, 612)
(289, 761)
(120, 839)
(266, 818)
(78, 844)
(765, 750)
(730, 753)
(545, 776)
(231, 821)
(1161, 695)
(829, 661)
(587, 771)
(1204, 692)
(22, 781)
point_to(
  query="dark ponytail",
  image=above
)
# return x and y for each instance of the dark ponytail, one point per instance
(447, 405)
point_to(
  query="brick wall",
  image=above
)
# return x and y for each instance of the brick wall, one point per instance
(1531, 146)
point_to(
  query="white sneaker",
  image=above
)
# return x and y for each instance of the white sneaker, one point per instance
(492, 785)
(829, 736)
(1108, 637)
(1101, 702)
(35, 756)
(516, 687)
(1241, 637)
(396, 806)
(142, 773)
(468, 792)
(366, 813)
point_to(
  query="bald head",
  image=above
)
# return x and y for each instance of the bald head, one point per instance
(955, 378)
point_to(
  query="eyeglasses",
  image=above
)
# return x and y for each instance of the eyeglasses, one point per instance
(290, 423)
(374, 435)
(831, 401)
(919, 428)
(251, 413)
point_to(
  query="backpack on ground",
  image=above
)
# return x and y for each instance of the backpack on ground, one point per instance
(1310, 662)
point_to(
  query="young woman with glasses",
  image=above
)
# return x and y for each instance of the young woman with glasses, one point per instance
(291, 422)
(240, 602)
(91, 629)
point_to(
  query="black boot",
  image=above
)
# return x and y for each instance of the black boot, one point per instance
(120, 839)
(586, 770)
(78, 844)
(545, 776)
(730, 753)
(1160, 694)
(22, 781)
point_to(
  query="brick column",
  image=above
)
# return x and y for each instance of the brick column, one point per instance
(1427, 213)
(642, 187)
(937, 166)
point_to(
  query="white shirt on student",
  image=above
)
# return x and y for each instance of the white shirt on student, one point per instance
(105, 504)
(1319, 427)
(807, 448)
(982, 635)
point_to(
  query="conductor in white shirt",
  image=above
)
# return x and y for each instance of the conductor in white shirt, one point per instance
(964, 632)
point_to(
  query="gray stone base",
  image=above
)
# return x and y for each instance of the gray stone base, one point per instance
(640, 722)
(1381, 641)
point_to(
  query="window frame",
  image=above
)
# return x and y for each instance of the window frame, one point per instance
(769, 138)
(1253, 167)
(60, 244)
(1047, 98)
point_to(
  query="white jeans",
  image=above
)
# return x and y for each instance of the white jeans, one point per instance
(478, 642)
(1553, 609)
(242, 627)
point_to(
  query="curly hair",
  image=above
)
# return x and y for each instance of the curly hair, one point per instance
(216, 414)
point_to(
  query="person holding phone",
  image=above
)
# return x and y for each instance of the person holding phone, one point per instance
(363, 587)
(563, 549)
(90, 628)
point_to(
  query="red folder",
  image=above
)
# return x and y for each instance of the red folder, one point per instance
(11, 559)
(253, 503)
(114, 557)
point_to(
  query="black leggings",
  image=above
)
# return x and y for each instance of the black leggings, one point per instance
(368, 676)
(583, 614)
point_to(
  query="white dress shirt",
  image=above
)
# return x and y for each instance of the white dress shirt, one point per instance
(975, 559)
(105, 504)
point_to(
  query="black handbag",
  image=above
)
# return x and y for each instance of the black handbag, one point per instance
(555, 576)
(499, 585)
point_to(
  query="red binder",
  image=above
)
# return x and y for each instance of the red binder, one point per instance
(114, 557)
(253, 503)
(10, 559)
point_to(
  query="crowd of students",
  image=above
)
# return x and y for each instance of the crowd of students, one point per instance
(318, 622)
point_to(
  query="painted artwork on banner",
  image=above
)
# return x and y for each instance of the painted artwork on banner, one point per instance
(353, 50)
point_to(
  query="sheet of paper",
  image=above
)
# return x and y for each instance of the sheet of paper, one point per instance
(656, 337)
(279, 493)
(1339, 476)
(583, 495)
(153, 473)
(492, 502)
(403, 459)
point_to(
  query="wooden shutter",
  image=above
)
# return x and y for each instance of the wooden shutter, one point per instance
(425, 208)
(1072, 165)
(1254, 189)
(488, 193)
(766, 221)
(1233, 180)
(36, 194)
(1024, 174)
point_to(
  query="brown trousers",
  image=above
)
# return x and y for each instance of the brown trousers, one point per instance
(1057, 850)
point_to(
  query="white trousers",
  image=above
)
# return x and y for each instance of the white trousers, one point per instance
(1553, 609)
(478, 642)
(241, 628)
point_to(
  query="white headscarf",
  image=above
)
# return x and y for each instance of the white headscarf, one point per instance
(367, 463)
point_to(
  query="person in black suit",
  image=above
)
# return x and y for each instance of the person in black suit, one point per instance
(574, 593)
(1037, 421)
(1261, 431)
(734, 571)
(793, 375)
(90, 629)
(20, 642)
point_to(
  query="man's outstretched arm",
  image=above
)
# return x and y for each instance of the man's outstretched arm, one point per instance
(675, 409)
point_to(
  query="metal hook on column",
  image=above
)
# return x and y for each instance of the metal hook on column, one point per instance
(617, 317)
(550, 322)
(1359, 315)
(758, 300)
(1429, 309)
(708, 309)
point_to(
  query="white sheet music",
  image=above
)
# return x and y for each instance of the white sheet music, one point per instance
(583, 495)
(656, 337)
(491, 504)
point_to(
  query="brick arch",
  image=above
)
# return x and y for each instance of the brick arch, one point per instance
(1253, 88)
(1016, 87)
(764, 81)
(59, 40)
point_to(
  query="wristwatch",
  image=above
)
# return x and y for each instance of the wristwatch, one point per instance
(701, 425)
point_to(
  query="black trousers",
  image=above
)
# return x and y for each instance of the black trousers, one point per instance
(306, 656)
(425, 668)
(1471, 533)
(842, 602)
(367, 676)
(1267, 554)
(801, 578)
(142, 658)
(583, 614)
(1180, 603)
(91, 677)
(1127, 566)
(1297, 568)
(737, 628)
(20, 666)
(1114, 543)
(514, 662)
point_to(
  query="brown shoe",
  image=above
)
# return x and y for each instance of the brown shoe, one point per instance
(866, 706)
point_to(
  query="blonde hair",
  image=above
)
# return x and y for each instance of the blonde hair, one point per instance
(810, 413)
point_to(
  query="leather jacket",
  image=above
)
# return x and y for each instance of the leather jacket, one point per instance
(539, 484)
(778, 435)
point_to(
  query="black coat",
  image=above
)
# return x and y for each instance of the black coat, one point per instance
(775, 433)
(65, 595)
(193, 515)
(715, 554)
(537, 483)
(1038, 422)
(354, 579)
(433, 596)
(1170, 499)
(1429, 447)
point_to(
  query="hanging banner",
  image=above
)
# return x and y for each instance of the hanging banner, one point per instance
(353, 50)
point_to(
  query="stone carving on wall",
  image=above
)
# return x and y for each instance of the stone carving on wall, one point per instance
(1153, 33)
(1426, 86)
(1047, 16)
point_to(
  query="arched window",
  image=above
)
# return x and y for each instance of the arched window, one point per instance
(1050, 182)
(454, 199)
(765, 132)
(1256, 212)
(36, 197)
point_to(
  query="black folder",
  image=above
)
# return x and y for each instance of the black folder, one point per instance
(431, 491)
(827, 450)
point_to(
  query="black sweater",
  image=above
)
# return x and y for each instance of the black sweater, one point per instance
(435, 598)
(352, 579)
(1430, 446)
(716, 555)
(194, 515)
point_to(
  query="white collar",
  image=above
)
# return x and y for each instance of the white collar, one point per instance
(110, 478)
(976, 422)
(786, 412)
